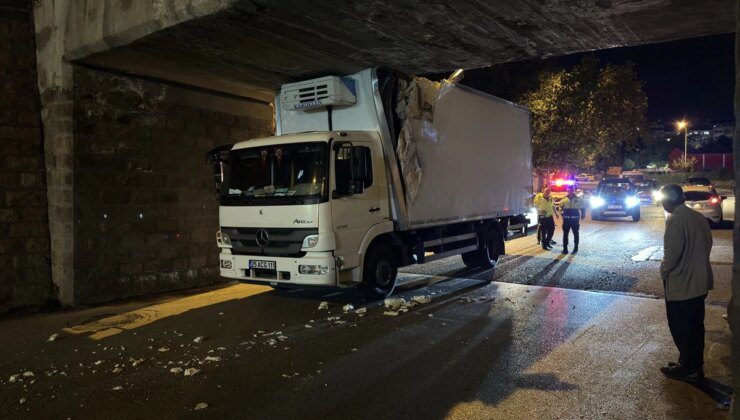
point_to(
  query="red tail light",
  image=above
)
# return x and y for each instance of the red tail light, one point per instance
(714, 200)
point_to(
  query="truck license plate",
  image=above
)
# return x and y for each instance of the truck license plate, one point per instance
(261, 264)
(614, 207)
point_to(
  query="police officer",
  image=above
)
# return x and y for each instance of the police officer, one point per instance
(546, 212)
(573, 212)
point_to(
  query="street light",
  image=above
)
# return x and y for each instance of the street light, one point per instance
(682, 125)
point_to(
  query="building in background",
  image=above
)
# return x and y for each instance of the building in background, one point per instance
(723, 128)
(714, 156)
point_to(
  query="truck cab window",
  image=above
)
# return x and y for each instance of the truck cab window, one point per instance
(353, 169)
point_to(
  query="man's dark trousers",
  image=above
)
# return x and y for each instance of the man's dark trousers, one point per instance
(686, 322)
(569, 224)
(547, 225)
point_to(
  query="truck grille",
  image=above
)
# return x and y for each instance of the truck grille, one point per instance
(273, 242)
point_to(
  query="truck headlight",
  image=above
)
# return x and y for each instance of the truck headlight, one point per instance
(310, 241)
(597, 202)
(313, 269)
(632, 201)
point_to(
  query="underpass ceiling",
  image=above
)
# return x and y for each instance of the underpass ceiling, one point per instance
(252, 47)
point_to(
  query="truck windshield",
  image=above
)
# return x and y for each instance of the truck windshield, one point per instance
(276, 174)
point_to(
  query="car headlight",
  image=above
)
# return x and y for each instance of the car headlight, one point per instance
(657, 196)
(310, 241)
(313, 269)
(632, 201)
(597, 202)
(223, 240)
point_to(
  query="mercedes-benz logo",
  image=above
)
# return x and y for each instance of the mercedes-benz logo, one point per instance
(263, 239)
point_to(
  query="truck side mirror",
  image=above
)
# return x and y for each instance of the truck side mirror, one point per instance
(217, 159)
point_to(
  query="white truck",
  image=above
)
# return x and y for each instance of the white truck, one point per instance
(368, 173)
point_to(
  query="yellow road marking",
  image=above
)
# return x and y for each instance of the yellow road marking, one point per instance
(116, 324)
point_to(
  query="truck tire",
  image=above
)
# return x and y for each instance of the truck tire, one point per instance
(379, 272)
(487, 255)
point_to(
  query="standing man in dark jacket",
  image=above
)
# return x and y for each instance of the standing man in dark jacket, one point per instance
(687, 278)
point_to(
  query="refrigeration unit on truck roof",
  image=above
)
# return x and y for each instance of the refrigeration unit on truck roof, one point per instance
(318, 93)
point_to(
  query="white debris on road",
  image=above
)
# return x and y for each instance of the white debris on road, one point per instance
(13, 378)
(390, 313)
(333, 318)
(191, 371)
(348, 307)
(308, 326)
(421, 299)
(53, 337)
(212, 359)
(27, 374)
(135, 362)
(201, 406)
(653, 253)
(163, 349)
(361, 311)
(22, 400)
(117, 388)
(176, 370)
(98, 362)
(323, 305)
(199, 339)
(394, 303)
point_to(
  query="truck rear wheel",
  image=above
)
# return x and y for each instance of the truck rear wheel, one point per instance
(379, 272)
(486, 256)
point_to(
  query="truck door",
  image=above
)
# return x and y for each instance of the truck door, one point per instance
(355, 197)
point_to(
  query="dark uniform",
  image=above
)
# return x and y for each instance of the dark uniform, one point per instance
(573, 211)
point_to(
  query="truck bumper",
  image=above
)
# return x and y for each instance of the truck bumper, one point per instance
(287, 269)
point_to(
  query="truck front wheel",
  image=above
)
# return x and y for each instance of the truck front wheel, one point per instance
(379, 272)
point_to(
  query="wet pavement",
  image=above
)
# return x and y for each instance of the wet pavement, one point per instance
(552, 337)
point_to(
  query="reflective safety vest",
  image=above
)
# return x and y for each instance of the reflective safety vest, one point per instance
(545, 206)
(572, 207)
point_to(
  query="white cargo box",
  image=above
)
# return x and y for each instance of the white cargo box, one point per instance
(475, 156)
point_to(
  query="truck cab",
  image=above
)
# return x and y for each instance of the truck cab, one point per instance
(291, 206)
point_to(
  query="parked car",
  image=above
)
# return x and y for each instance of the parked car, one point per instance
(585, 178)
(698, 180)
(616, 197)
(705, 200)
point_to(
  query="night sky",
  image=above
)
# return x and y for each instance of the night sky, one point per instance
(691, 79)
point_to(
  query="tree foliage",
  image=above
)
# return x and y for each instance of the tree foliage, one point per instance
(586, 116)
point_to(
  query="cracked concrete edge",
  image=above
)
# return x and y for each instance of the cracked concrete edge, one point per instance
(109, 24)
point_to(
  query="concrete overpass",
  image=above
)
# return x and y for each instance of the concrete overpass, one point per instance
(134, 92)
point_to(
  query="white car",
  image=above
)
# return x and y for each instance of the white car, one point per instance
(705, 200)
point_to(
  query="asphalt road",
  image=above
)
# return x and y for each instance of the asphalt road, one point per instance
(604, 261)
(538, 342)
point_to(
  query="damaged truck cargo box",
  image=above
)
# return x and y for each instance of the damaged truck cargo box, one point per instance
(454, 146)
